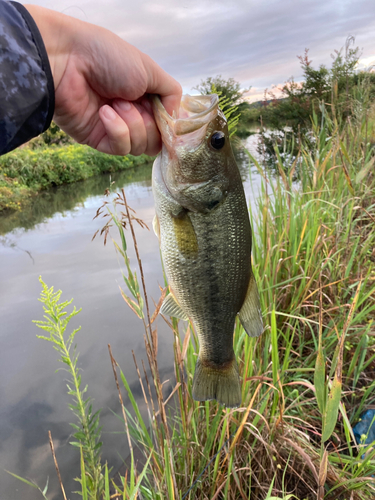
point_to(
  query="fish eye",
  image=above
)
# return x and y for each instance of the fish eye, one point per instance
(218, 140)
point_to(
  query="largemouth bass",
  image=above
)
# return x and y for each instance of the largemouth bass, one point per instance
(203, 226)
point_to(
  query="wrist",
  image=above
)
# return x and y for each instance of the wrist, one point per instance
(57, 31)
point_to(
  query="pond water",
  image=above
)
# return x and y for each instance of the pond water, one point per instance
(53, 239)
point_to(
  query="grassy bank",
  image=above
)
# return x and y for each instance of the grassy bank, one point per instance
(305, 381)
(66, 197)
(25, 172)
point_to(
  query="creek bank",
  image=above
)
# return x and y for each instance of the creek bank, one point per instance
(67, 198)
(25, 172)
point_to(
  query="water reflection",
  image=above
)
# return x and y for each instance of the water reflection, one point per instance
(53, 239)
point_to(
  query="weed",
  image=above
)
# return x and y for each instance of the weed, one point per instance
(87, 433)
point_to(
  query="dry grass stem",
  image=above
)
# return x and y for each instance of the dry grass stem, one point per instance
(56, 465)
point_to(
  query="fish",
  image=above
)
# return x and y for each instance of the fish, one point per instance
(202, 222)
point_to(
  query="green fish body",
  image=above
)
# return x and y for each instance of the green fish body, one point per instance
(203, 226)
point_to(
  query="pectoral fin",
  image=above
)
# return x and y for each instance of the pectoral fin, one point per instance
(185, 235)
(156, 226)
(171, 308)
(250, 313)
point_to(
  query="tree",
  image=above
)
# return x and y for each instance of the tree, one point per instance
(227, 88)
(342, 88)
(53, 135)
(231, 95)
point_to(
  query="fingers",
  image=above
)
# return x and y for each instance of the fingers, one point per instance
(163, 84)
(116, 140)
(172, 102)
(153, 134)
(129, 128)
(133, 119)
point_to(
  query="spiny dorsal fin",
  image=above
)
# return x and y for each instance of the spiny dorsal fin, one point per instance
(171, 308)
(250, 313)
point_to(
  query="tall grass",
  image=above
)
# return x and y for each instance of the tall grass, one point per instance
(87, 433)
(309, 376)
(306, 380)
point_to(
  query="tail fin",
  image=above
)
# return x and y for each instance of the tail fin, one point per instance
(222, 384)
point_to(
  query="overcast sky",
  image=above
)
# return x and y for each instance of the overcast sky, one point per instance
(255, 42)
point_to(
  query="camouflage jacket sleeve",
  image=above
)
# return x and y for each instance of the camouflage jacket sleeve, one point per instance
(27, 97)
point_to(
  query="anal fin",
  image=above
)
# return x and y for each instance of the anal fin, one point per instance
(250, 313)
(171, 308)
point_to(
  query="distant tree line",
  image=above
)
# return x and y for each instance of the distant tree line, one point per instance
(339, 87)
(342, 88)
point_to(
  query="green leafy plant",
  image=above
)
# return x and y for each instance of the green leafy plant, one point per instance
(232, 103)
(229, 109)
(87, 432)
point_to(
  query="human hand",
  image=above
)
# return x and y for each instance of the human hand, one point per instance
(101, 85)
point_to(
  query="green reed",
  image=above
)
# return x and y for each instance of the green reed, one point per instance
(306, 380)
(304, 383)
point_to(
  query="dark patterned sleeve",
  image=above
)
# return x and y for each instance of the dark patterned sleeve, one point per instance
(27, 97)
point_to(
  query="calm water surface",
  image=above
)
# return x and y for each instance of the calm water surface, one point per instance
(53, 239)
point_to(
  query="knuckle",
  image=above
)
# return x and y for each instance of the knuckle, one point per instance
(122, 149)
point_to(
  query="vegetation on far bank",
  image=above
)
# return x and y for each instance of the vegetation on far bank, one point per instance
(346, 92)
(67, 197)
(285, 111)
(28, 170)
(230, 92)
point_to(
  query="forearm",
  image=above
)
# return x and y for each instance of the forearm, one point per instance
(26, 86)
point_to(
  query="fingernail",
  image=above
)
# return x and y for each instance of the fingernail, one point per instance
(109, 113)
(124, 105)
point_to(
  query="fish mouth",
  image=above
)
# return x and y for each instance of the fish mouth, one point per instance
(188, 128)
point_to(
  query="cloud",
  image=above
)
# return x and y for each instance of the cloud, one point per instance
(254, 42)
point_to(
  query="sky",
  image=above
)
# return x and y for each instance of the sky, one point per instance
(254, 42)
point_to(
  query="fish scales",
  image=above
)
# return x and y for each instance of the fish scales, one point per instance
(205, 239)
